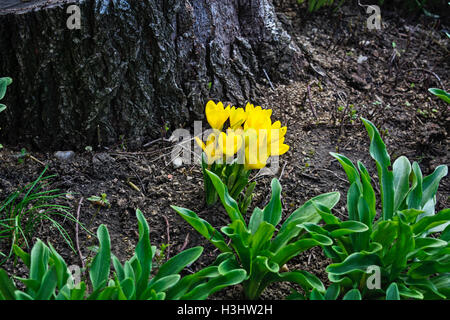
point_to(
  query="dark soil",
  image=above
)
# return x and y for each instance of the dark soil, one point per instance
(388, 88)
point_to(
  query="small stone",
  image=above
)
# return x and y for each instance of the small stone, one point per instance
(64, 155)
(362, 59)
(70, 196)
(177, 162)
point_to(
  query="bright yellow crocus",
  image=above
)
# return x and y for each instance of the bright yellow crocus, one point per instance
(257, 118)
(220, 145)
(255, 141)
(216, 114)
(237, 117)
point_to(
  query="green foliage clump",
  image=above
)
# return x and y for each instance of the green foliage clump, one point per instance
(408, 243)
(254, 246)
(26, 208)
(51, 279)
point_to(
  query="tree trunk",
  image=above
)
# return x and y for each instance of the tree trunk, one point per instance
(135, 68)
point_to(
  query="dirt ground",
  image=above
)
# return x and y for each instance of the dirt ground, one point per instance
(382, 75)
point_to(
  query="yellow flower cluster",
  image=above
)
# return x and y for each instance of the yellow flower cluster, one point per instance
(251, 133)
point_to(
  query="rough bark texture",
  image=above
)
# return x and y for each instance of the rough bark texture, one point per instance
(134, 67)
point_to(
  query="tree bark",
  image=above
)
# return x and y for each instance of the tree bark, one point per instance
(134, 69)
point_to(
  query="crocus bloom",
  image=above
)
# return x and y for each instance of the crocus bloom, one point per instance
(216, 114)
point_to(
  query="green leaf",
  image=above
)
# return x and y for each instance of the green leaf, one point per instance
(349, 168)
(25, 257)
(400, 250)
(7, 287)
(211, 194)
(385, 234)
(4, 82)
(143, 252)
(60, 266)
(353, 294)
(164, 283)
(204, 290)
(100, 267)
(128, 288)
(118, 267)
(39, 261)
(353, 196)
(349, 227)
(379, 154)
(414, 198)
(316, 295)
(286, 235)
(307, 212)
(261, 239)
(22, 296)
(228, 202)
(190, 281)
(291, 250)
(368, 192)
(425, 269)
(424, 244)
(48, 285)
(326, 214)
(427, 286)
(303, 278)
(357, 261)
(240, 237)
(430, 183)
(409, 216)
(401, 171)
(332, 292)
(445, 235)
(430, 222)
(2, 107)
(179, 262)
(129, 270)
(272, 212)
(409, 293)
(228, 265)
(392, 292)
(255, 219)
(442, 284)
(78, 294)
(107, 293)
(441, 94)
(203, 227)
(364, 217)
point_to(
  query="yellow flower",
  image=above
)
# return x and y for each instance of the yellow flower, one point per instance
(256, 153)
(262, 138)
(237, 117)
(220, 145)
(230, 143)
(216, 114)
(255, 142)
(257, 118)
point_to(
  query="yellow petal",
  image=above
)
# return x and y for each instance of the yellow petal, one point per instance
(216, 115)
(249, 107)
(278, 149)
(276, 125)
(237, 117)
(200, 143)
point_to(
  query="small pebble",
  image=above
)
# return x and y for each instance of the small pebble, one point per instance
(177, 162)
(362, 59)
(64, 155)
